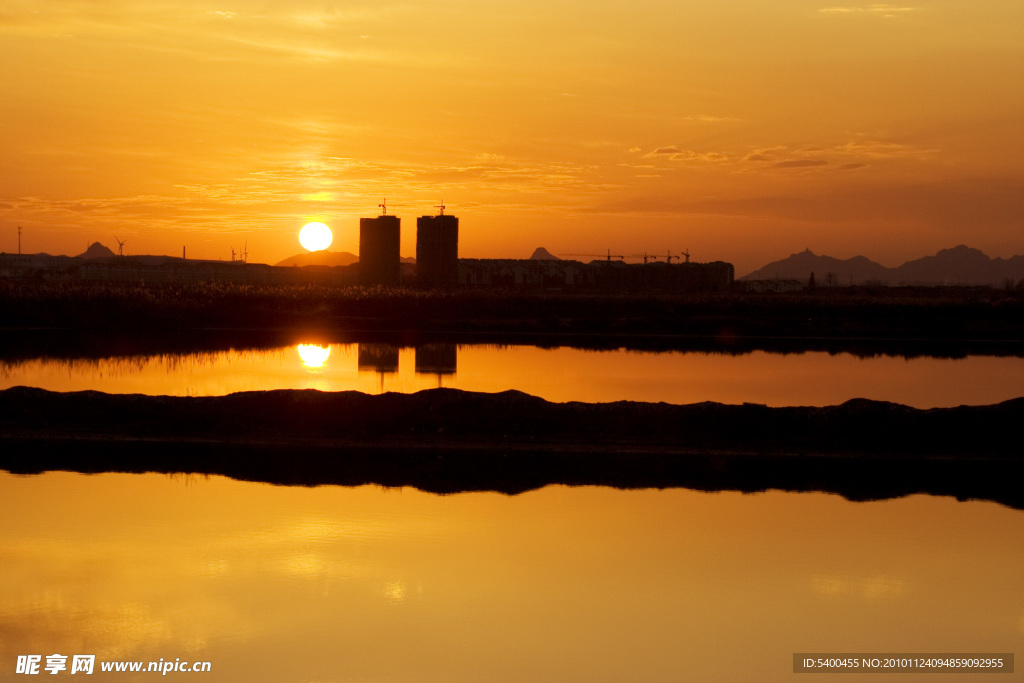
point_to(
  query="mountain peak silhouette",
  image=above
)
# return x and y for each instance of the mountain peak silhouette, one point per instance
(542, 254)
(96, 250)
(324, 257)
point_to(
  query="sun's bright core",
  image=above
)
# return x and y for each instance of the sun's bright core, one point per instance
(314, 355)
(315, 236)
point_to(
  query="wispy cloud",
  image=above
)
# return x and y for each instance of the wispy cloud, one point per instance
(851, 155)
(674, 153)
(800, 163)
(847, 156)
(705, 118)
(334, 184)
(876, 10)
(195, 31)
(878, 149)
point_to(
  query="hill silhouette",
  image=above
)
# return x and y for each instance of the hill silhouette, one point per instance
(960, 265)
(96, 250)
(447, 440)
(324, 257)
(542, 254)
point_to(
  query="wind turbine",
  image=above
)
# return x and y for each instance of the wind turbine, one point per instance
(120, 245)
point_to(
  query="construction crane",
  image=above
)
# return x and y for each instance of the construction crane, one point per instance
(647, 257)
(669, 256)
(384, 207)
(609, 256)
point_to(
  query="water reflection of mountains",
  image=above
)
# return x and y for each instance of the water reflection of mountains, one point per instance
(169, 348)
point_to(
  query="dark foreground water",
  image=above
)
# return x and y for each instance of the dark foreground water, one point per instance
(559, 584)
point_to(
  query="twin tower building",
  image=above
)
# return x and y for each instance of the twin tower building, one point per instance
(437, 250)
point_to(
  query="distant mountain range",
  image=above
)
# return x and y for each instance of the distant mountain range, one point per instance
(960, 265)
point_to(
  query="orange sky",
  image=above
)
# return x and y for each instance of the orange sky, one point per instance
(742, 130)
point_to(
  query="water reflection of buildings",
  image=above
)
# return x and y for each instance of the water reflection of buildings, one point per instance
(380, 358)
(437, 359)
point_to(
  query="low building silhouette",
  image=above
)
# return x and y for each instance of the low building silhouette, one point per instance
(597, 276)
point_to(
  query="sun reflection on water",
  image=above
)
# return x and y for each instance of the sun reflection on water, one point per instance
(314, 356)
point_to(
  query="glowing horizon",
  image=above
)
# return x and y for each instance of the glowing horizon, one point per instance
(744, 132)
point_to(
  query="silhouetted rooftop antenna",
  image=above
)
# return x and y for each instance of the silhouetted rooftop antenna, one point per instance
(120, 245)
(384, 207)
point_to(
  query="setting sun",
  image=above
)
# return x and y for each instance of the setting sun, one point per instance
(315, 236)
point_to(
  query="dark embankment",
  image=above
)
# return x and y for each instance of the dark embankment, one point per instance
(920, 315)
(445, 440)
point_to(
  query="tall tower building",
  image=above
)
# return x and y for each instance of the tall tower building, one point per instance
(379, 257)
(437, 250)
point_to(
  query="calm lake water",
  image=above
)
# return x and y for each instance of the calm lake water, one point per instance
(559, 374)
(560, 584)
(273, 583)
